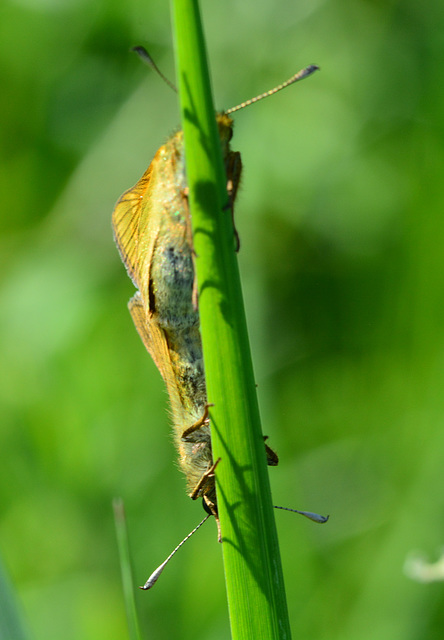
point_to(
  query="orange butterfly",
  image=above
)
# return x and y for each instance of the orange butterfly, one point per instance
(152, 228)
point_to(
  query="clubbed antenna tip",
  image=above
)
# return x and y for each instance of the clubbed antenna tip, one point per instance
(300, 75)
(156, 574)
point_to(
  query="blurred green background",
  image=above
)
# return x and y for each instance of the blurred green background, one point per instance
(340, 215)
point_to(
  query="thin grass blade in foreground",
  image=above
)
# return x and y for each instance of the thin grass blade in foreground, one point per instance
(11, 621)
(125, 567)
(255, 587)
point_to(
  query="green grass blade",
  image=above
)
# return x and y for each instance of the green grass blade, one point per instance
(255, 588)
(11, 620)
(126, 569)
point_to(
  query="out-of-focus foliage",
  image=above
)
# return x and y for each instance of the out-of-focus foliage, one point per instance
(341, 221)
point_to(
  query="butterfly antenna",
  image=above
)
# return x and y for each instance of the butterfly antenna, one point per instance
(155, 575)
(308, 514)
(145, 56)
(300, 75)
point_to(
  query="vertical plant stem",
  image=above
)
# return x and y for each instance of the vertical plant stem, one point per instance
(255, 587)
(126, 569)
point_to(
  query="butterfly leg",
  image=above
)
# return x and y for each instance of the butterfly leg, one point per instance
(208, 503)
(233, 168)
(211, 508)
(199, 424)
(272, 456)
(209, 473)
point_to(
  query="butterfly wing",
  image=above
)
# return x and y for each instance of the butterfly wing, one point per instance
(152, 230)
(136, 228)
(154, 339)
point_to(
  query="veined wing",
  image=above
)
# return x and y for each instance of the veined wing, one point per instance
(154, 339)
(136, 228)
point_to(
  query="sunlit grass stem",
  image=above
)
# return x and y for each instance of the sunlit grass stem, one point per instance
(255, 588)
